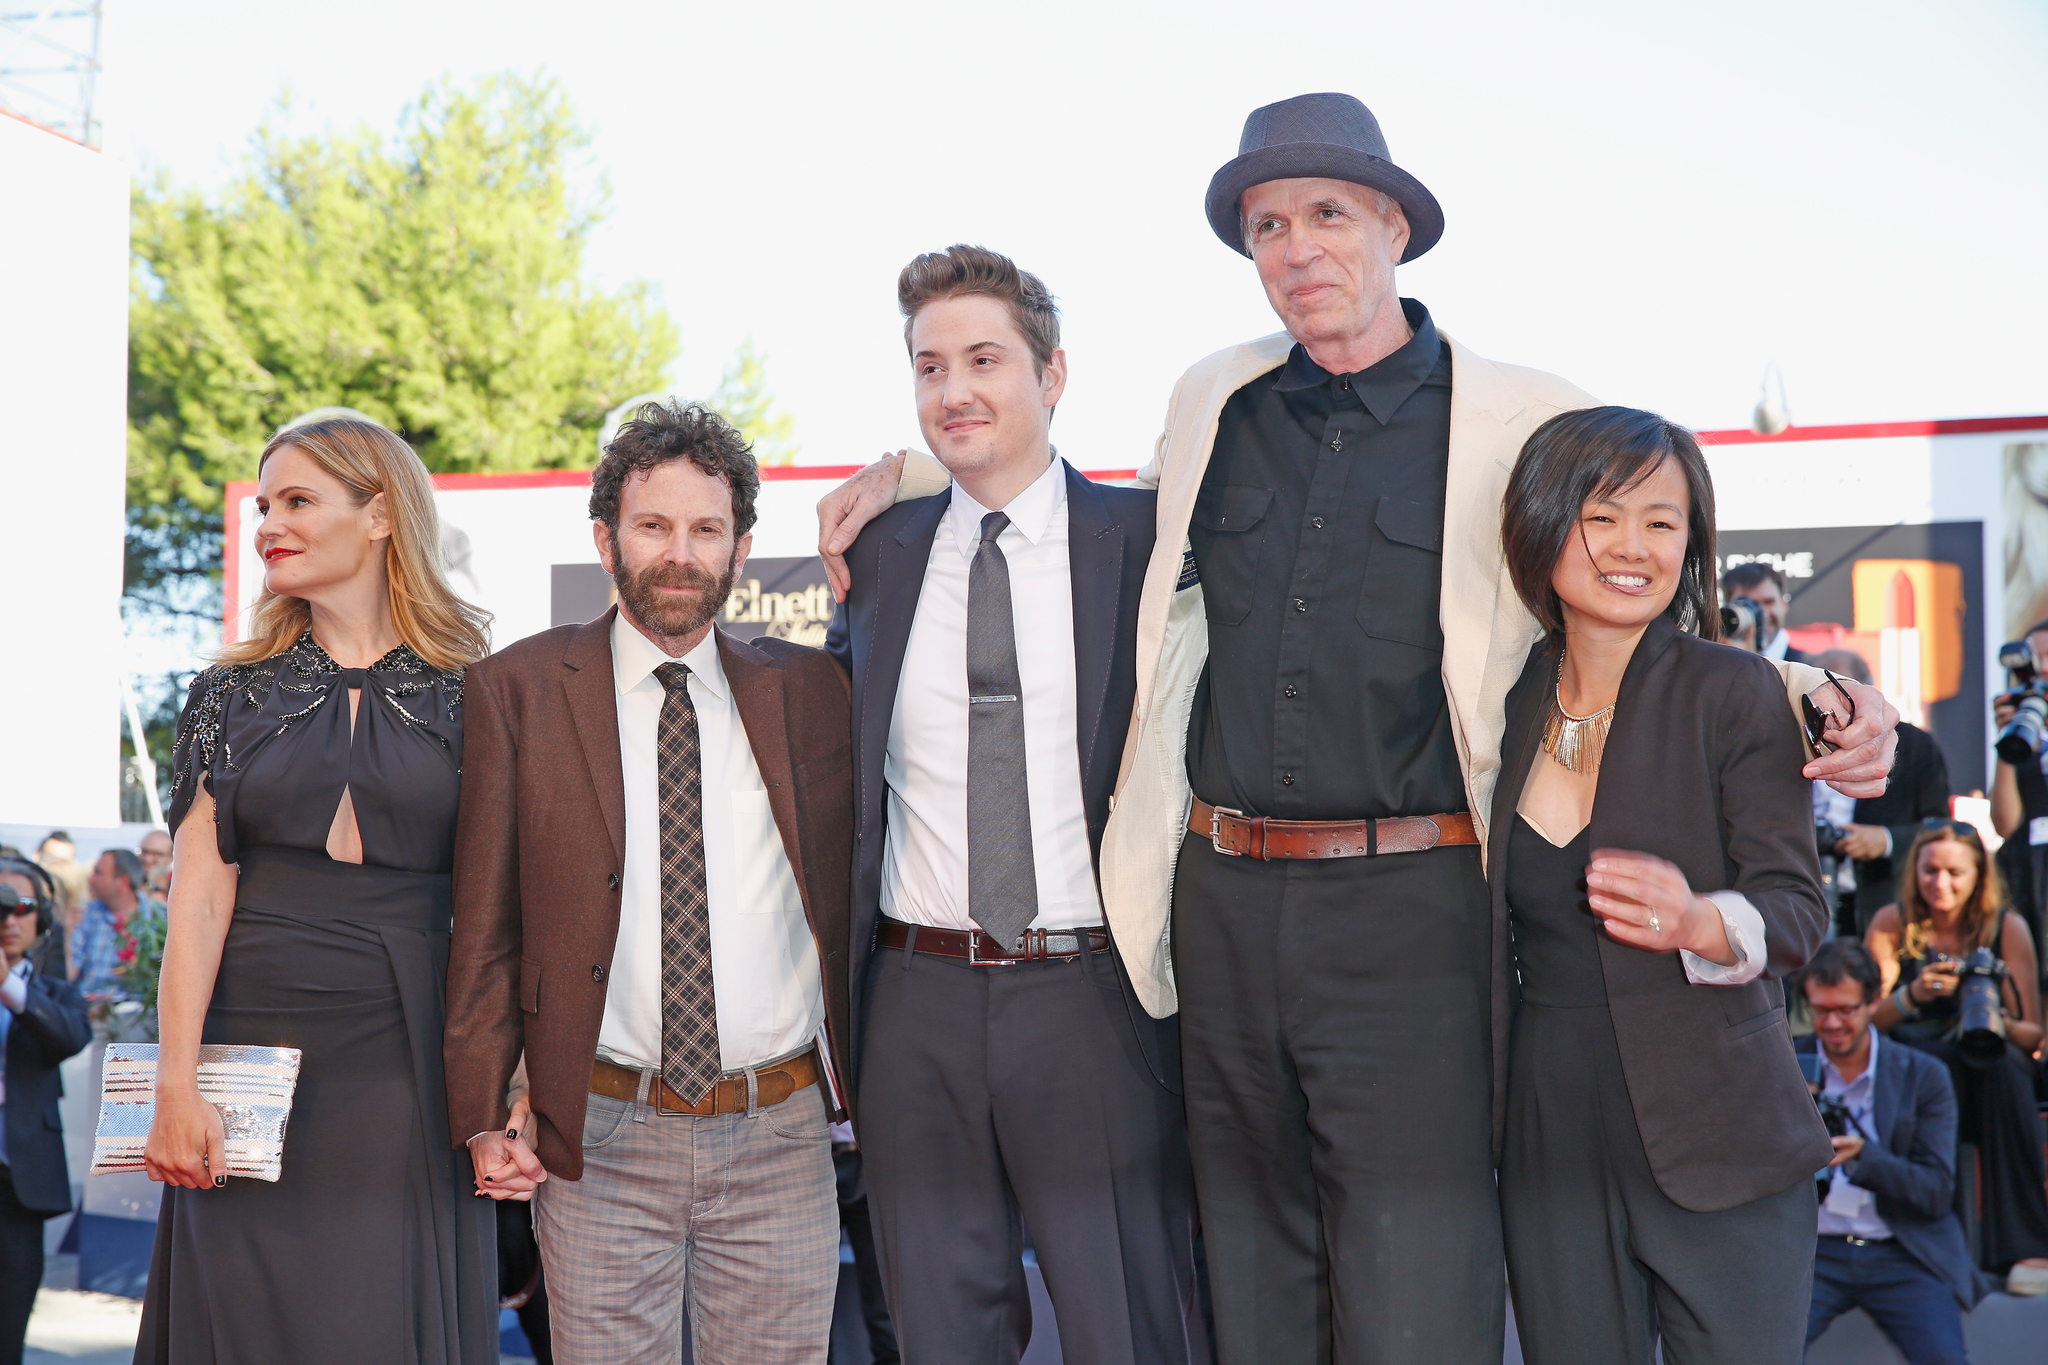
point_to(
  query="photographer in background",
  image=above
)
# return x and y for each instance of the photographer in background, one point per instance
(1961, 981)
(1755, 592)
(1890, 1243)
(1874, 830)
(2019, 788)
(42, 1022)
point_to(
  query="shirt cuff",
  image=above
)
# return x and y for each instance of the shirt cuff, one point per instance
(1745, 935)
(14, 992)
(1887, 840)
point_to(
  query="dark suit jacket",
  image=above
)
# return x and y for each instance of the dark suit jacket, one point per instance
(1109, 543)
(540, 847)
(49, 1029)
(1919, 789)
(1701, 768)
(1911, 1168)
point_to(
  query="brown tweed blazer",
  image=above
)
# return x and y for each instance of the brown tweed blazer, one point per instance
(540, 849)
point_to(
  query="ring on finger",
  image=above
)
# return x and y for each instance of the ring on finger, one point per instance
(1655, 927)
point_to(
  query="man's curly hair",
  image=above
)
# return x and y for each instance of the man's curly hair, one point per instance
(660, 432)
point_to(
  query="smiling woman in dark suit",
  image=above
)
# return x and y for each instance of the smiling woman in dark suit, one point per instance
(1652, 864)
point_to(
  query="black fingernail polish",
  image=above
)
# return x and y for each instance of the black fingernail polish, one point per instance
(219, 1181)
(512, 1133)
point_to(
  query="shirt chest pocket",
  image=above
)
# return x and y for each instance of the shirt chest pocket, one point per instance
(1229, 538)
(754, 835)
(1400, 597)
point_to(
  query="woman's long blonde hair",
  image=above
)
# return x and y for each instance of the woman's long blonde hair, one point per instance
(1983, 914)
(367, 459)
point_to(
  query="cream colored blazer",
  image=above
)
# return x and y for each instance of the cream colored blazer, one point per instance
(1487, 630)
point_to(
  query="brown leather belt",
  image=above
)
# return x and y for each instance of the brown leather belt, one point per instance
(773, 1085)
(972, 945)
(1238, 835)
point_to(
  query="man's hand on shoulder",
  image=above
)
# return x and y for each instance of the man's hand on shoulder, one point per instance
(848, 508)
(1865, 747)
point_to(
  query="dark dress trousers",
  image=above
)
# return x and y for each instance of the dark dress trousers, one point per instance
(1910, 1169)
(34, 1181)
(540, 849)
(1334, 1013)
(1660, 1142)
(1041, 1089)
(1919, 790)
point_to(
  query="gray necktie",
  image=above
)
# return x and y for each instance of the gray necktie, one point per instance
(1002, 884)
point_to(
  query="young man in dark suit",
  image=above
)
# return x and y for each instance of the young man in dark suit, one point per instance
(1889, 1240)
(42, 1022)
(1007, 1075)
(650, 903)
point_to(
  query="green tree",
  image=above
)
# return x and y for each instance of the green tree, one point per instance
(432, 280)
(742, 398)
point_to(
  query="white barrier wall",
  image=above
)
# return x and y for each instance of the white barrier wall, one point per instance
(63, 461)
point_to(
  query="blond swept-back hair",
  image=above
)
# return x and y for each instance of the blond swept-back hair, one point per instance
(1983, 914)
(367, 459)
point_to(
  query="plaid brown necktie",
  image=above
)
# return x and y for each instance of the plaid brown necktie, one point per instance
(689, 1006)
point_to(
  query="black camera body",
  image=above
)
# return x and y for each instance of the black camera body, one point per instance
(1826, 834)
(1742, 616)
(1980, 1017)
(2023, 737)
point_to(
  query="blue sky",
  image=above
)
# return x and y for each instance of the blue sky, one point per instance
(1651, 200)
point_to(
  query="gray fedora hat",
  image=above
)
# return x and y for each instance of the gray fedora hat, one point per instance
(1330, 137)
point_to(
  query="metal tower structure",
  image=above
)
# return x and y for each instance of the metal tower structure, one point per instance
(50, 66)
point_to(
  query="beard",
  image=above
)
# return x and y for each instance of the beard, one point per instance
(640, 594)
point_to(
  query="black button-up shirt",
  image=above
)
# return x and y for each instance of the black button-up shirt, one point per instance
(1318, 537)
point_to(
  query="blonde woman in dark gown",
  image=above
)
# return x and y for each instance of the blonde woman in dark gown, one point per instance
(313, 809)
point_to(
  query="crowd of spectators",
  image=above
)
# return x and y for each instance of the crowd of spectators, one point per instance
(1939, 1188)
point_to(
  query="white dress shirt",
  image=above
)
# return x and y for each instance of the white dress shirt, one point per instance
(764, 964)
(924, 857)
(1850, 1210)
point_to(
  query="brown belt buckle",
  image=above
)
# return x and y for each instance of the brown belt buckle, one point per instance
(1216, 814)
(975, 959)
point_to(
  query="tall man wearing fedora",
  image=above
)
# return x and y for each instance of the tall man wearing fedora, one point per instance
(651, 874)
(1326, 641)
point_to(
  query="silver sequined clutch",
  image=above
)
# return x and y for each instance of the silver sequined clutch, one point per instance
(251, 1086)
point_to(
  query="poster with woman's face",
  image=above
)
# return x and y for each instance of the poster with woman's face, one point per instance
(2026, 536)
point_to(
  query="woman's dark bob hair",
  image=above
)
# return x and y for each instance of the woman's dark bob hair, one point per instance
(1596, 453)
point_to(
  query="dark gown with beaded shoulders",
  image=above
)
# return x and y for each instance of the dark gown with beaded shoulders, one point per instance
(372, 1245)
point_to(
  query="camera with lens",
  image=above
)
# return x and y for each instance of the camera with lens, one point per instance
(1826, 834)
(1980, 1017)
(2022, 738)
(1741, 617)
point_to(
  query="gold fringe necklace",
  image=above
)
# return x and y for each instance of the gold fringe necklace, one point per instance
(1576, 742)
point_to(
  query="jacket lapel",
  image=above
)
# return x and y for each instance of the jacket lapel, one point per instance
(1884, 1102)
(1096, 546)
(900, 563)
(757, 691)
(594, 708)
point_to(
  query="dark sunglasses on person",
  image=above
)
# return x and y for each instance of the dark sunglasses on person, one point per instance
(11, 903)
(1947, 825)
(1817, 719)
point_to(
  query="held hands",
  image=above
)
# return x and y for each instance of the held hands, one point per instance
(1861, 764)
(846, 509)
(506, 1167)
(187, 1144)
(1646, 903)
(1847, 1149)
